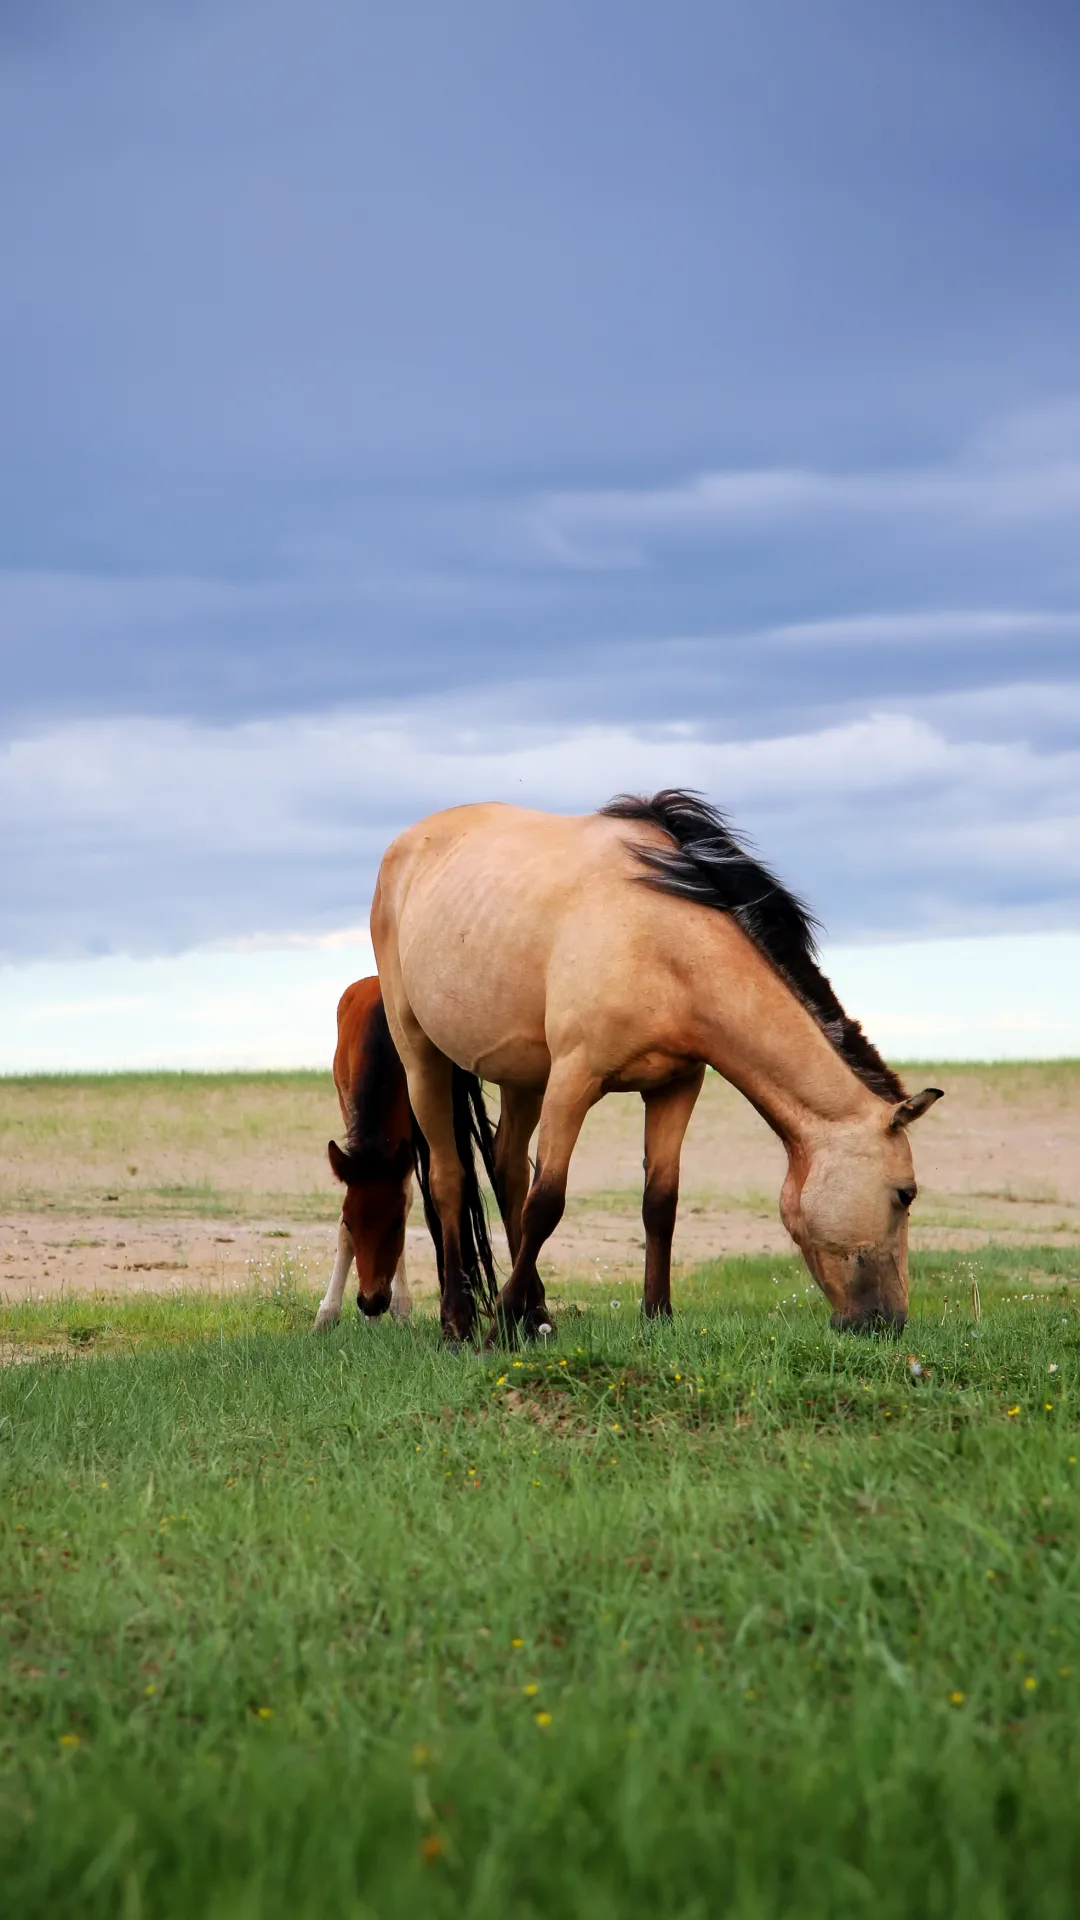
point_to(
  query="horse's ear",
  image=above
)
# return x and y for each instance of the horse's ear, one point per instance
(338, 1161)
(914, 1107)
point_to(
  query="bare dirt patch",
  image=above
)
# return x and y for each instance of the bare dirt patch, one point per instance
(172, 1182)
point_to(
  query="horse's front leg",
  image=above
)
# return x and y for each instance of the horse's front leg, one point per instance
(667, 1116)
(519, 1112)
(330, 1305)
(571, 1091)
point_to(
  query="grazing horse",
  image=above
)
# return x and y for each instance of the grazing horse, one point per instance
(565, 958)
(383, 1150)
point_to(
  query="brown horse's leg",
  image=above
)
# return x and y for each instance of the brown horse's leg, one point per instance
(517, 1119)
(667, 1116)
(430, 1076)
(570, 1094)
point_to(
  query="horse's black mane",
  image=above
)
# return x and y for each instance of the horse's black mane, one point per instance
(708, 864)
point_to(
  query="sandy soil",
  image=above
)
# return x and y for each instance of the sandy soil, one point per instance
(199, 1182)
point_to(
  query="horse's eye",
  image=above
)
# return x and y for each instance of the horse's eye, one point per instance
(905, 1195)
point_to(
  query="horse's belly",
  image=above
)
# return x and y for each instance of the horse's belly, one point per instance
(472, 1018)
(476, 983)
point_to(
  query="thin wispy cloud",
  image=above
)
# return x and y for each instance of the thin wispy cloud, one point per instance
(977, 495)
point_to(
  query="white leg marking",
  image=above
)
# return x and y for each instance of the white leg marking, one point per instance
(330, 1306)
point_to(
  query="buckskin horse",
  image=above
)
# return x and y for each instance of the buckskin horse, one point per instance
(383, 1150)
(565, 958)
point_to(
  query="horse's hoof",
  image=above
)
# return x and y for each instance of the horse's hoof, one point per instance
(326, 1317)
(501, 1331)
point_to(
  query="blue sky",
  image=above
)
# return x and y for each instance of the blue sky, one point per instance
(409, 405)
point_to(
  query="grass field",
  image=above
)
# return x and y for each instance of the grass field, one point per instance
(250, 1145)
(737, 1617)
(166, 1180)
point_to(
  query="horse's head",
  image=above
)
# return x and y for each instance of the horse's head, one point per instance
(845, 1203)
(374, 1211)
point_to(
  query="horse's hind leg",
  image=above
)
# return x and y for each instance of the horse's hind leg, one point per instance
(430, 1076)
(667, 1116)
(400, 1297)
(519, 1113)
(330, 1305)
(570, 1093)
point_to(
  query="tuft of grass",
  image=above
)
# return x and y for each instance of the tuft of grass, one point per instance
(728, 1616)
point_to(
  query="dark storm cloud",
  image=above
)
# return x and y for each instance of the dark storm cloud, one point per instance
(704, 376)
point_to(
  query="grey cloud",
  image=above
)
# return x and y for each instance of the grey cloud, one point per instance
(334, 335)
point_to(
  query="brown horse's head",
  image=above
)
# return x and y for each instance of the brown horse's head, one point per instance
(845, 1204)
(374, 1211)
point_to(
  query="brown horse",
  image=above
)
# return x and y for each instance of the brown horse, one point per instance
(566, 958)
(383, 1150)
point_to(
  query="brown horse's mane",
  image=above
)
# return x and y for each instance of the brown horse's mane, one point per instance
(708, 864)
(370, 1155)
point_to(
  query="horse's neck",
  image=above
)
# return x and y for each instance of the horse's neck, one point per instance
(756, 1033)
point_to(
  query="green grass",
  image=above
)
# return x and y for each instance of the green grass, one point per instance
(1011, 1079)
(286, 1616)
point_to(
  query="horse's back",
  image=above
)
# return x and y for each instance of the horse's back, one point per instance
(502, 930)
(518, 853)
(354, 1012)
(365, 1059)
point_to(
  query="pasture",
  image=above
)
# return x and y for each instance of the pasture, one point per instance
(735, 1616)
(191, 1181)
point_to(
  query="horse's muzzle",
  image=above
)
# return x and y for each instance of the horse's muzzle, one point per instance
(870, 1320)
(372, 1305)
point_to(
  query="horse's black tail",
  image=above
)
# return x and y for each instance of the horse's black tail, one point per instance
(472, 1130)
